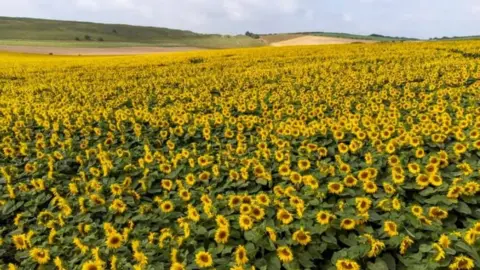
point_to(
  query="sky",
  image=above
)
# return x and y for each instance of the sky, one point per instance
(411, 18)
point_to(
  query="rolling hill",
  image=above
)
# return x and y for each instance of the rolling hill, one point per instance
(42, 32)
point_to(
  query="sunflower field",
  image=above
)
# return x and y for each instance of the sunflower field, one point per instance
(347, 157)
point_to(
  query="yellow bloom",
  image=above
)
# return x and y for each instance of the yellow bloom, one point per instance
(347, 224)
(20, 241)
(284, 216)
(462, 262)
(302, 237)
(40, 255)
(405, 244)
(345, 264)
(241, 255)
(92, 265)
(245, 222)
(285, 254)
(439, 252)
(390, 228)
(114, 240)
(221, 235)
(203, 259)
(271, 234)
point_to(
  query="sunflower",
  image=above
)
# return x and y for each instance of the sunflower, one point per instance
(363, 204)
(394, 161)
(262, 199)
(222, 221)
(92, 265)
(204, 176)
(296, 178)
(40, 255)
(437, 213)
(303, 164)
(363, 175)
(114, 240)
(245, 222)
(444, 241)
(258, 213)
(302, 237)
(419, 153)
(462, 262)
(345, 264)
(241, 255)
(177, 266)
(167, 206)
(350, 181)
(167, 184)
(454, 192)
(422, 180)
(324, 217)
(370, 187)
(284, 216)
(118, 206)
(389, 189)
(335, 187)
(203, 259)
(116, 189)
(185, 195)
(234, 201)
(245, 209)
(20, 241)
(221, 235)
(193, 213)
(459, 148)
(285, 254)
(271, 234)
(390, 228)
(439, 252)
(190, 179)
(435, 180)
(347, 224)
(405, 244)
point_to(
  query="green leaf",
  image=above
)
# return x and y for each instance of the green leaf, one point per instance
(262, 181)
(378, 265)
(319, 229)
(463, 208)
(273, 261)
(390, 261)
(305, 259)
(462, 246)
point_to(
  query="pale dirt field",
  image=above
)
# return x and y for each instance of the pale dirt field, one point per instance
(317, 40)
(93, 51)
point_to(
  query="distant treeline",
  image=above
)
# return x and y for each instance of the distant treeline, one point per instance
(455, 38)
(376, 37)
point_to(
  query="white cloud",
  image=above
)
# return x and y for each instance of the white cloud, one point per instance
(347, 17)
(87, 4)
(421, 18)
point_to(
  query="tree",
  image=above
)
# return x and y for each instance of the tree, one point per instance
(87, 37)
(114, 31)
(77, 38)
(100, 39)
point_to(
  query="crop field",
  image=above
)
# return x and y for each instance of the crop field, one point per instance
(347, 157)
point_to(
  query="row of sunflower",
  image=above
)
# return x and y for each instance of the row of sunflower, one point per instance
(334, 157)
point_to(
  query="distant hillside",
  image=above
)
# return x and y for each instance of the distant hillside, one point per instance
(456, 38)
(373, 37)
(16, 31)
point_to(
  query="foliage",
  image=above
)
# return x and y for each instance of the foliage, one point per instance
(322, 157)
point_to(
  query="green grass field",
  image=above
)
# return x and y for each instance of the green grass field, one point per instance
(40, 32)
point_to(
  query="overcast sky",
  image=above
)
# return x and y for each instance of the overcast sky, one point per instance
(413, 18)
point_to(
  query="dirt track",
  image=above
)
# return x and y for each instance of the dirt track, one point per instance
(93, 51)
(317, 40)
